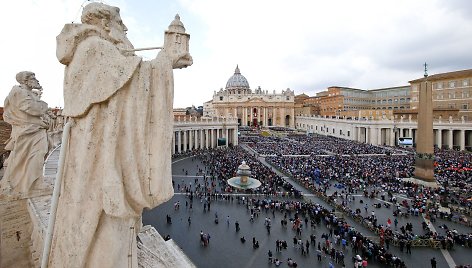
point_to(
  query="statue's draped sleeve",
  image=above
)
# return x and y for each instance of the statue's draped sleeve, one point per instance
(95, 68)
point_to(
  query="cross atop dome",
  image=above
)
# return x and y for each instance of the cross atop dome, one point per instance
(237, 70)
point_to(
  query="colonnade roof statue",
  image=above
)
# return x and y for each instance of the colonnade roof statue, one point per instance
(117, 159)
(28, 143)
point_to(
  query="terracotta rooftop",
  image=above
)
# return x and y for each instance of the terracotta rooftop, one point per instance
(443, 76)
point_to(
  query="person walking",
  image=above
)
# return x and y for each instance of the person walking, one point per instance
(433, 262)
(408, 246)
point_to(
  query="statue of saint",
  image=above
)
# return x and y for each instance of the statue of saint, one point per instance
(28, 142)
(118, 158)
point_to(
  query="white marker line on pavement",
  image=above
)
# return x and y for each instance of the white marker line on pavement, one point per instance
(445, 252)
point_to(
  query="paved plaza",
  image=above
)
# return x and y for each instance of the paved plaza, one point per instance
(225, 248)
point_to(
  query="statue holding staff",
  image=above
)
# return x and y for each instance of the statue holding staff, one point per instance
(118, 158)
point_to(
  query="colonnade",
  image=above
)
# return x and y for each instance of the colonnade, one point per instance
(448, 134)
(204, 134)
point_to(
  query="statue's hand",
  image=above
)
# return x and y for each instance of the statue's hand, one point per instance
(182, 60)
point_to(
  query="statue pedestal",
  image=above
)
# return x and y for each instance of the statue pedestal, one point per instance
(432, 184)
(424, 169)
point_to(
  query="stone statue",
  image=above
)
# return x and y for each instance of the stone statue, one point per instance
(28, 142)
(118, 158)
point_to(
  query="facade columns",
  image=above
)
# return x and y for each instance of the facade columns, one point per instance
(235, 137)
(367, 135)
(227, 137)
(244, 121)
(251, 117)
(258, 115)
(266, 120)
(206, 138)
(292, 118)
(190, 140)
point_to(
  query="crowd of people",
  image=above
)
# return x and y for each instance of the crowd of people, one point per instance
(322, 164)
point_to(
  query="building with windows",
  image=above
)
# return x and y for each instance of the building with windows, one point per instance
(451, 91)
(252, 107)
(355, 103)
(383, 116)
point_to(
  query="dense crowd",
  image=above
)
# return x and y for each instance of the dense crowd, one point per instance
(353, 168)
(223, 164)
(296, 144)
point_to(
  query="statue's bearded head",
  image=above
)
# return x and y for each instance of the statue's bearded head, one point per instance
(108, 18)
(28, 79)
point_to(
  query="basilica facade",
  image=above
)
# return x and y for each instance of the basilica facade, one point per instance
(257, 108)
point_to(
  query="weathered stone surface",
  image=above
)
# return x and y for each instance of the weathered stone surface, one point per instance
(15, 234)
(28, 142)
(118, 158)
(152, 250)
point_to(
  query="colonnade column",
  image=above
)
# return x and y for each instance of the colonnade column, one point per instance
(173, 142)
(227, 137)
(201, 139)
(189, 138)
(179, 141)
(367, 135)
(439, 137)
(206, 138)
(450, 139)
(462, 139)
(379, 136)
(210, 138)
(185, 140)
(392, 137)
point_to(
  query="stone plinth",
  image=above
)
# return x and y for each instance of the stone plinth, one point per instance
(424, 169)
(432, 184)
(15, 233)
(152, 252)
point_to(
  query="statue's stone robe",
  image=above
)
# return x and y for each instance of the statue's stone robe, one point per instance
(118, 159)
(28, 142)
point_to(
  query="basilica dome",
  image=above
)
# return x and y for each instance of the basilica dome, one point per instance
(237, 82)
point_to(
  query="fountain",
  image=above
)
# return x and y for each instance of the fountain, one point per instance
(242, 180)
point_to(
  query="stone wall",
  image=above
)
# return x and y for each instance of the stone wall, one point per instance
(15, 234)
(153, 251)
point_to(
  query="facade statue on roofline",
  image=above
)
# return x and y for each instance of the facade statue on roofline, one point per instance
(118, 158)
(28, 143)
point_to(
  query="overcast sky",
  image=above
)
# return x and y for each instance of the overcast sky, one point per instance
(304, 45)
